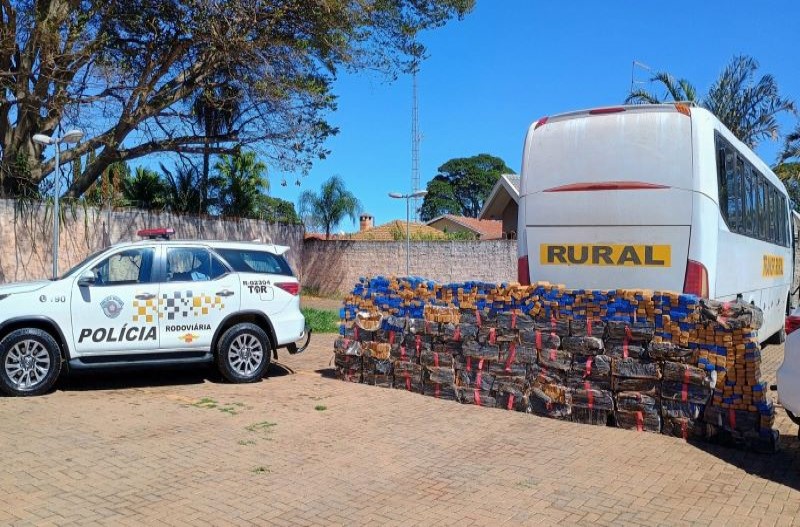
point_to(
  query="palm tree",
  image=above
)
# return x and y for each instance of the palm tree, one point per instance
(328, 208)
(183, 191)
(747, 108)
(675, 90)
(791, 147)
(145, 189)
(216, 109)
(242, 185)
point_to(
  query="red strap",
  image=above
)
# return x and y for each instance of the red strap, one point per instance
(685, 389)
(480, 364)
(552, 354)
(355, 332)
(553, 325)
(589, 326)
(511, 401)
(457, 333)
(408, 381)
(477, 397)
(403, 351)
(513, 320)
(732, 417)
(591, 397)
(538, 339)
(478, 378)
(469, 363)
(684, 429)
(492, 335)
(625, 348)
(512, 355)
(478, 317)
(427, 327)
(437, 390)
(391, 337)
(346, 343)
(639, 421)
(436, 359)
(418, 343)
(588, 367)
(628, 334)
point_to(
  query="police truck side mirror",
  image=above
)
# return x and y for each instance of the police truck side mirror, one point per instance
(87, 278)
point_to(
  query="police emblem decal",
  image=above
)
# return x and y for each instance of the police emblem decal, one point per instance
(112, 306)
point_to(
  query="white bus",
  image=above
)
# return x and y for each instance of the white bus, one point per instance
(659, 197)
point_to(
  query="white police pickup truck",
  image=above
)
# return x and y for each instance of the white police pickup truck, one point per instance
(152, 302)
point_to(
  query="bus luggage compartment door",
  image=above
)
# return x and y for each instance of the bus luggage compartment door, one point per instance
(609, 257)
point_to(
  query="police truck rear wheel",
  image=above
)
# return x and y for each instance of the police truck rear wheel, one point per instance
(243, 354)
(30, 361)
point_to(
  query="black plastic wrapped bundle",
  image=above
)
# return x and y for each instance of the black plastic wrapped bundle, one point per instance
(416, 326)
(542, 403)
(436, 359)
(446, 392)
(540, 339)
(511, 394)
(436, 375)
(685, 374)
(464, 331)
(524, 322)
(629, 384)
(395, 323)
(732, 420)
(635, 368)
(681, 410)
(590, 399)
(479, 378)
(641, 421)
(348, 367)
(378, 372)
(591, 367)
(622, 350)
(583, 345)
(685, 393)
(408, 376)
(637, 402)
(476, 350)
(508, 369)
(346, 346)
(553, 359)
(512, 352)
(476, 397)
(667, 351)
(588, 416)
(543, 375)
(682, 427)
(591, 327)
(402, 352)
(632, 332)
(551, 325)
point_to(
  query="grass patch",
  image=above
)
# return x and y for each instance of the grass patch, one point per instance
(208, 403)
(321, 320)
(205, 402)
(246, 442)
(263, 426)
(320, 408)
(261, 470)
(315, 292)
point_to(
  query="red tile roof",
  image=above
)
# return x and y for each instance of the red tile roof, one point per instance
(485, 229)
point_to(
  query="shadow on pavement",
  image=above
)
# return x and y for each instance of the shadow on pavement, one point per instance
(328, 373)
(153, 376)
(781, 467)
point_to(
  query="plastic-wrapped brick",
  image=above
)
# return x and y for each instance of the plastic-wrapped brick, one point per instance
(635, 368)
(625, 351)
(515, 353)
(637, 402)
(667, 351)
(408, 376)
(436, 359)
(476, 350)
(583, 345)
(590, 327)
(475, 396)
(555, 359)
(641, 421)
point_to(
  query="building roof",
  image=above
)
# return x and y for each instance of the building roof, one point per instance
(504, 192)
(395, 230)
(484, 229)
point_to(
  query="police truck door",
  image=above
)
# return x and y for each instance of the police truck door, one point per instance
(118, 311)
(198, 293)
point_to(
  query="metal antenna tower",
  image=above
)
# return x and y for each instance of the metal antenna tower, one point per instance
(415, 139)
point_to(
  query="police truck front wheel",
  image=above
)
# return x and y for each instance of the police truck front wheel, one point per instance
(30, 361)
(243, 353)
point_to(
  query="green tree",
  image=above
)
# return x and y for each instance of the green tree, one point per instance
(790, 175)
(183, 190)
(328, 208)
(791, 147)
(77, 62)
(145, 190)
(108, 190)
(279, 211)
(462, 186)
(242, 183)
(746, 105)
(674, 90)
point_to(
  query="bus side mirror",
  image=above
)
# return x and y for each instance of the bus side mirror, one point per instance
(87, 278)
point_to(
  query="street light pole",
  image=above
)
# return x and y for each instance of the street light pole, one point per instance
(73, 136)
(408, 198)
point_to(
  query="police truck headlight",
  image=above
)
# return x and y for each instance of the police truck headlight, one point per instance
(3, 297)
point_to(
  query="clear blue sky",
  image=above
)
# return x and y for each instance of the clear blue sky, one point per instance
(512, 61)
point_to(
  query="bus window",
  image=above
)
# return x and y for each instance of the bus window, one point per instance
(761, 206)
(749, 198)
(772, 231)
(735, 192)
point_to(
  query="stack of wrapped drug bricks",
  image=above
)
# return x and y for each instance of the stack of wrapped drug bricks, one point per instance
(640, 360)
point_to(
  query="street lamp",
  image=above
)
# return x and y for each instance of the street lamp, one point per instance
(72, 136)
(408, 198)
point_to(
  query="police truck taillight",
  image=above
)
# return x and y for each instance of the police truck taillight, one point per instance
(696, 280)
(523, 271)
(792, 323)
(293, 288)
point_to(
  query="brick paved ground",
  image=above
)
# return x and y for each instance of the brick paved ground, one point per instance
(185, 449)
